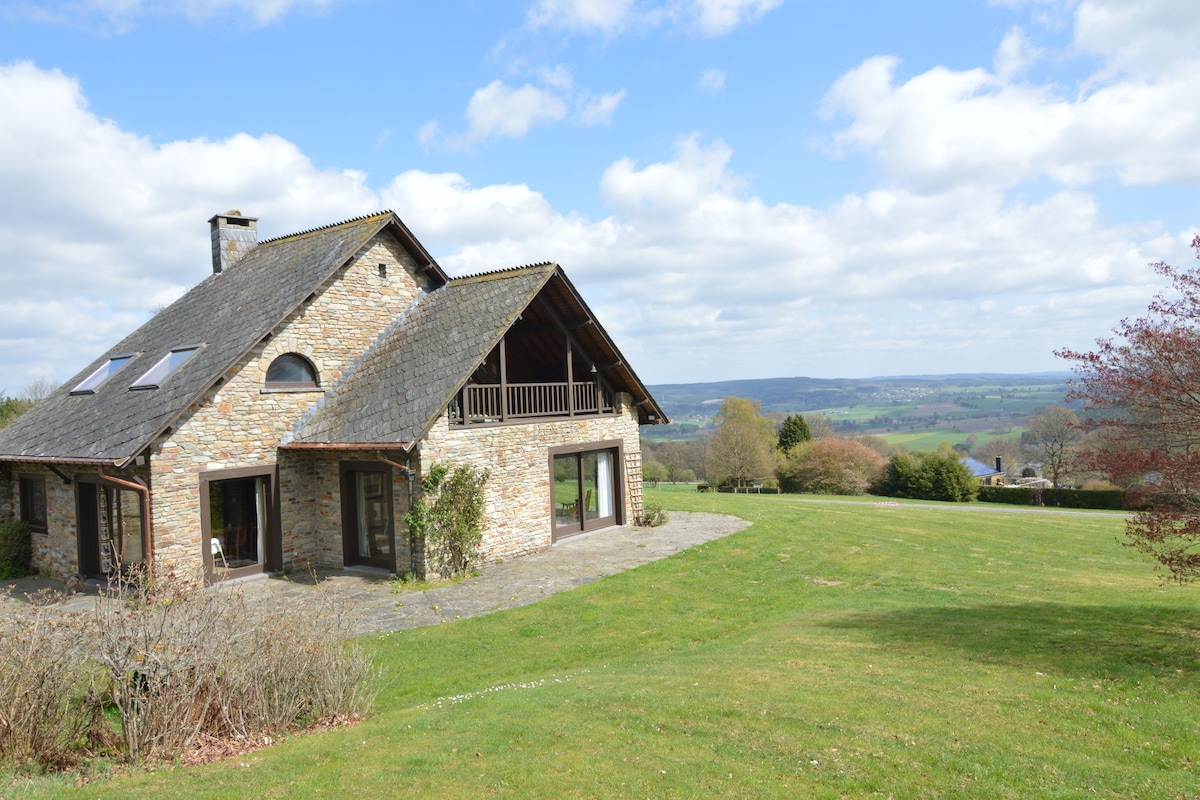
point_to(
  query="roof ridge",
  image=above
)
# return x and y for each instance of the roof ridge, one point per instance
(499, 273)
(320, 228)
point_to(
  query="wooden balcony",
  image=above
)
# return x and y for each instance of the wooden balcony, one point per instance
(496, 403)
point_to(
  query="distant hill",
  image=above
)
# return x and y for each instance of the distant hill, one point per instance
(870, 403)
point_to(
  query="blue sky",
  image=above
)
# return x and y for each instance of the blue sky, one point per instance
(739, 188)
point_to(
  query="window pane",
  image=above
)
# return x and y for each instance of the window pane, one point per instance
(590, 494)
(165, 366)
(372, 513)
(291, 368)
(236, 514)
(566, 490)
(132, 551)
(33, 502)
(97, 378)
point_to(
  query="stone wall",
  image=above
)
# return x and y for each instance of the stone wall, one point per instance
(56, 552)
(240, 423)
(518, 506)
(311, 497)
(8, 492)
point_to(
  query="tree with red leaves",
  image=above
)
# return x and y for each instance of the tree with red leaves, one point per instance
(1141, 393)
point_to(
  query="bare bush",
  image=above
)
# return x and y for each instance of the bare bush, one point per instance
(47, 714)
(184, 664)
(180, 665)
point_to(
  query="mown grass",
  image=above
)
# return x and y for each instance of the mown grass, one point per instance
(931, 440)
(830, 650)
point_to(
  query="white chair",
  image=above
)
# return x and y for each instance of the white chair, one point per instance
(217, 550)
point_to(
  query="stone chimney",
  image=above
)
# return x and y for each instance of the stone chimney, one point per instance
(232, 237)
(999, 464)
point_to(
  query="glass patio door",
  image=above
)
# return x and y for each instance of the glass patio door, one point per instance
(584, 492)
(368, 534)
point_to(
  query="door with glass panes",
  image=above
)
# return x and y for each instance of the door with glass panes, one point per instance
(584, 485)
(112, 532)
(368, 530)
(239, 515)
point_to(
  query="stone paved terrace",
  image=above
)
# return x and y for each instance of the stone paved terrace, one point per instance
(570, 563)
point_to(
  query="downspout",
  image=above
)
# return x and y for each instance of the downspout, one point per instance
(141, 488)
(407, 471)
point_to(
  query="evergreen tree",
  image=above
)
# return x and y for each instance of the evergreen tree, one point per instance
(793, 431)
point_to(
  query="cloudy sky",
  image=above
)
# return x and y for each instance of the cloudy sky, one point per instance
(739, 188)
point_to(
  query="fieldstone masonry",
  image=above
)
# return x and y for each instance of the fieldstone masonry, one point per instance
(240, 423)
(518, 507)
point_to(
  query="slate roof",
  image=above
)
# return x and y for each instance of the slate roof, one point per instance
(227, 314)
(397, 390)
(978, 468)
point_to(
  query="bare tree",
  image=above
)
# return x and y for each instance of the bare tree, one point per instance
(1011, 456)
(39, 389)
(1051, 436)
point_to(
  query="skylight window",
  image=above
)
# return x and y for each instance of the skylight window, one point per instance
(92, 382)
(165, 366)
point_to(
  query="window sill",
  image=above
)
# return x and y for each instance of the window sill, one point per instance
(289, 389)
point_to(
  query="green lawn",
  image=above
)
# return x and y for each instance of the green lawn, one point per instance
(830, 650)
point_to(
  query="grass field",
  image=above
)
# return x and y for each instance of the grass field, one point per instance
(830, 650)
(930, 441)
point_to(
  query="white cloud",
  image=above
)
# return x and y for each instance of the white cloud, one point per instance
(428, 133)
(103, 225)
(713, 80)
(502, 111)
(599, 110)
(1134, 118)
(1015, 55)
(717, 17)
(613, 17)
(121, 15)
(688, 263)
(1145, 37)
(588, 16)
(946, 127)
(695, 276)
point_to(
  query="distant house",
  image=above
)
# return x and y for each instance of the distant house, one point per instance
(983, 473)
(283, 413)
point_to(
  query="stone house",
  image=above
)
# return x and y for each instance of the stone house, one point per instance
(984, 473)
(283, 412)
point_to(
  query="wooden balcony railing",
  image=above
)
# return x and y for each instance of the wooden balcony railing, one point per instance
(494, 403)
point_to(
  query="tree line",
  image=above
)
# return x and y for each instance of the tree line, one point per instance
(804, 453)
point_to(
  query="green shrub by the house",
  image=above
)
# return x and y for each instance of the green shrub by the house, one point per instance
(926, 476)
(16, 549)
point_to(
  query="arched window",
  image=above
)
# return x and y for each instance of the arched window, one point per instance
(291, 371)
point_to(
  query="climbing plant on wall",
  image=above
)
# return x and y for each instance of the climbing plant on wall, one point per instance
(448, 517)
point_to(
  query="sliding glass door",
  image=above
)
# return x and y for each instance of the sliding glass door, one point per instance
(584, 486)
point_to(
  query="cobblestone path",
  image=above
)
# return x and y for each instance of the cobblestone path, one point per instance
(570, 563)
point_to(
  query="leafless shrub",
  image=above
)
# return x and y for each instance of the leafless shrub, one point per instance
(181, 665)
(185, 664)
(48, 717)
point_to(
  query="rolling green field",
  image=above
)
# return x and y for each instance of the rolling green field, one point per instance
(930, 409)
(832, 649)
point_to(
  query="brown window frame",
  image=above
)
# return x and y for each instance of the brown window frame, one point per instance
(25, 483)
(617, 447)
(272, 555)
(292, 386)
(350, 556)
